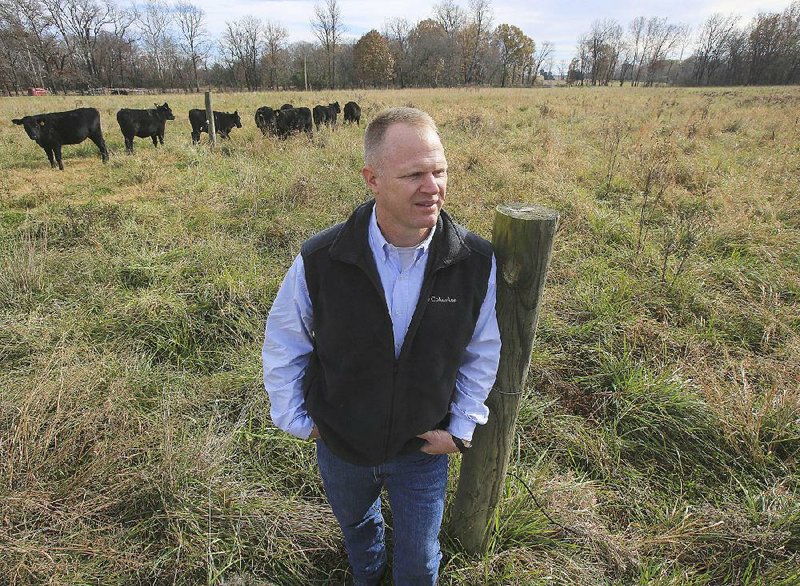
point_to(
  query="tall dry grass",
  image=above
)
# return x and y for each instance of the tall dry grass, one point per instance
(661, 424)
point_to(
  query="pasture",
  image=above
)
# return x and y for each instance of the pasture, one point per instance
(660, 428)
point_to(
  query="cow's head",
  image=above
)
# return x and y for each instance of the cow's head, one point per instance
(34, 126)
(264, 116)
(165, 111)
(335, 107)
(236, 120)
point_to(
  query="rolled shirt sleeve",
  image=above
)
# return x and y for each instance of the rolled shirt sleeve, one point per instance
(288, 343)
(478, 369)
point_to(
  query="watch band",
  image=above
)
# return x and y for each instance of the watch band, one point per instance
(461, 444)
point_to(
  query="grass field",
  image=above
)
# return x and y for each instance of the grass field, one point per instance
(660, 424)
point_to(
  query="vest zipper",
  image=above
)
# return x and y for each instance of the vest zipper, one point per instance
(422, 302)
(395, 369)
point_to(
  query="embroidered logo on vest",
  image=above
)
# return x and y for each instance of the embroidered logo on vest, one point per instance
(437, 299)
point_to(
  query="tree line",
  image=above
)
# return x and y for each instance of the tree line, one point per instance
(77, 45)
(68, 45)
(723, 51)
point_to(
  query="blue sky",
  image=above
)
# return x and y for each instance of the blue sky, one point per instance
(558, 21)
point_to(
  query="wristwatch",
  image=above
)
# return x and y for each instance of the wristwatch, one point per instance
(462, 445)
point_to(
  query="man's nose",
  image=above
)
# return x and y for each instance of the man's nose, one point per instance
(429, 184)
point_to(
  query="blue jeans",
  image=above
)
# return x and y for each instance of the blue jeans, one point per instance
(416, 486)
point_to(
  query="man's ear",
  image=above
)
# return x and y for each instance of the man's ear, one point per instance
(370, 178)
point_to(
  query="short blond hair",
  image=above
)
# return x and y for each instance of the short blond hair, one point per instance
(376, 130)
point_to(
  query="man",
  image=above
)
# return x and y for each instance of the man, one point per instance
(382, 345)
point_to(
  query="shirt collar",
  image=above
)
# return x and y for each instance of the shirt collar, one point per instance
(378, 242)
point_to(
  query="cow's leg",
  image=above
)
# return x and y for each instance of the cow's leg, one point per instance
(129, 145)
(49, 153)
(57, 151)
(101, 144)
(155, 140)
(195, 137)
(161, 137)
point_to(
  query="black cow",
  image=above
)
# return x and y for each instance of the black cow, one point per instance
(51, 131)
(352, 113)
(265, 120)
(287, 107)
(326, 115)
(223, 123)
(291, 120)
(144, 123)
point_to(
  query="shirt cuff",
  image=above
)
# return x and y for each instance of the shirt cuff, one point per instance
(461, 427)
(302, 427)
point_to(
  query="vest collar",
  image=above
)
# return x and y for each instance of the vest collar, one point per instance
(351, 244)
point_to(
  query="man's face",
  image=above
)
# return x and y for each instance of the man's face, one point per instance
(409, 183)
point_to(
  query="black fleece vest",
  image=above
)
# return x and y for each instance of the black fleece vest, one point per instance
(367, 405)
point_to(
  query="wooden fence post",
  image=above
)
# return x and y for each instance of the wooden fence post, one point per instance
(523, 241)
(212, 129)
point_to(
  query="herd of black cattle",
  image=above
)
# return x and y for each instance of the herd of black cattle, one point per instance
(51, 131)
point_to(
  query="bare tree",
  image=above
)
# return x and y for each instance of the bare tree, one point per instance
(242, 45)
(274, 42)
(774, 47)
(27, 25)
(11, 56)
(154, 22)
(80, 22)
(475, 35)
(543, 54)
(663, 37)
(643, 52)
(398, 31)
(683, 35)
(563, 67)
(450, 16)
(633, 48)
(328, 28)
(116, 54)
(594, 44)
(575, 72)
(712, 41)
(429, 54)
(602, 47)
(193, 42)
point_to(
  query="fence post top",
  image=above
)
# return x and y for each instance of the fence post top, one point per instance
(527, 211)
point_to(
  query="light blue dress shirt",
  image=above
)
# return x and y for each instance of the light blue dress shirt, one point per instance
(290, 325)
